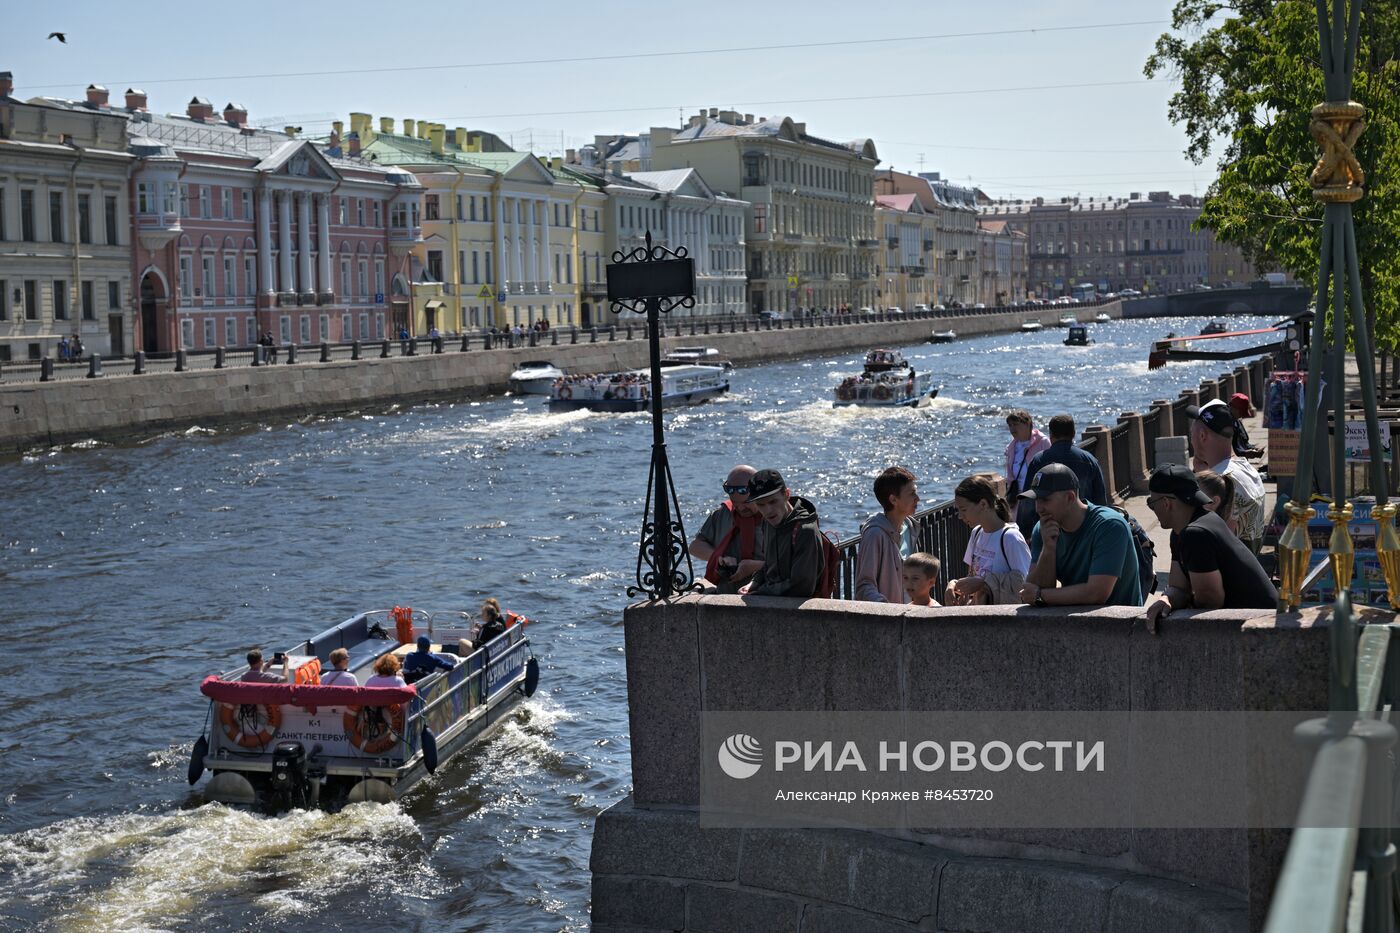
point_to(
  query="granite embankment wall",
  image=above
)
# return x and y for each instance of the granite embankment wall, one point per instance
(656, 868)
(34, 414)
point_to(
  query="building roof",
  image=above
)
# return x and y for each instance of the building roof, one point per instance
(899, 202)
(772, 127)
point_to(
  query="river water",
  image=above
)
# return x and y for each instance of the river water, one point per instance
(129, 572)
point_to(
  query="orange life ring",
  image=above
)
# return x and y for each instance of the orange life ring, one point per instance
(232, 717)
(375, 731)
(566, 392)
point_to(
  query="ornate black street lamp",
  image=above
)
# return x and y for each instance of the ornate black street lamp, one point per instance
(655, 280)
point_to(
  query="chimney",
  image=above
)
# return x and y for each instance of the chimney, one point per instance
(291, 131)
(96, 96)
(135, 100)
(748, 118)
(333, 144)
(571, 156)
(437, 134)
(7, 83)
(200, 109)
(235, 114)
(352, 145)
(460, 137)
(386, 126)
(714, 112)
(407, 127)
(424, 127)
(801, 128)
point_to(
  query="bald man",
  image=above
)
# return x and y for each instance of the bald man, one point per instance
(731, 540)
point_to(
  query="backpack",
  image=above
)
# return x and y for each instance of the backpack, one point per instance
(830, 580)
(1146, 553)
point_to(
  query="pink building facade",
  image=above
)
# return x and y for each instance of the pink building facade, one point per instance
(240, 232)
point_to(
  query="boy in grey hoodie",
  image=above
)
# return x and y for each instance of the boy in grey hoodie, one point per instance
(793, 557)
(879, 563)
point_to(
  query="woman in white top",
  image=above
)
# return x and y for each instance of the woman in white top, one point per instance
(386, 673)
(339, 676)
(997, 556)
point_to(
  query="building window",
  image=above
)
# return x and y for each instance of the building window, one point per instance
(342, 208)
(111, 219)
(284, 329)
(230, 331)
(362, 279)
(187, 334)
(461, 207)
(488, 269)
(364, 326)
(173, 200)
(56, 216)
(185, 198)
(435, 265)
(556, 268)
(206, 282)
(379, 326)
(84, 218)
(476, 267)
(430, 207)
(378, 214)
(210, 332)
(31, 300)
(569, 269)
(230, 280)
(89, 309)
(186, 278)
(203, 200)
(114, 296)
(246, 196)
(471, 207)
(360, 212)
(345, 278)
(250, 276)
(345, 332)
(379, 276)
(305, 329)
(226, 205)
(325, 327)
(251, 331)
(4, 300)
(60, 300)
(3, 237)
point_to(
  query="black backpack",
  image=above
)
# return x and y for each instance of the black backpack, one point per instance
(1146, 553)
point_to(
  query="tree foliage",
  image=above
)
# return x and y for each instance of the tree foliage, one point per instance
(1249, 75)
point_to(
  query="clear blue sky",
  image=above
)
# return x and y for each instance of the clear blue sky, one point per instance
(1102, 139)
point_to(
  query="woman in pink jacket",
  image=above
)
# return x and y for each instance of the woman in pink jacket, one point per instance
(1026, 442)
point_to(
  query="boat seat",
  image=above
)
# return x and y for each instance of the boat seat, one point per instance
(366, 652)
(344, 635)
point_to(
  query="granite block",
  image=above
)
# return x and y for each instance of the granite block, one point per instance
(985, 895)
(711, 909)
(642, 902)
(631, 841)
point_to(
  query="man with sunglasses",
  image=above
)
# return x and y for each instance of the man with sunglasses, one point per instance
(731, 540)
(1211, 567)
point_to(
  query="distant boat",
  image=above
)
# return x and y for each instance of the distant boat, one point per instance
(942, 336)
(1214, 327)
(535, 377)
(1031, 326)
(1102, 318)
(888, 381)
(1078, 336)
(696, 356)
(681, 384)
(1068, 319)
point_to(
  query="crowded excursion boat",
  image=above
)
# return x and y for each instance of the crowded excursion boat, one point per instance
(887, 380)
(1078, 336)
(299, 731)
(696, 356)
(681, 384)
(535, 377)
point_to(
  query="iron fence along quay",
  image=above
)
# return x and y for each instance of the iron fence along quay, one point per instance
(48, 369)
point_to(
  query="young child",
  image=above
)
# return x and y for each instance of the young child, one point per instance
(920, 577)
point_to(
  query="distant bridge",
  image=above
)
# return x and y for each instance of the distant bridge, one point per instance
(1264, 300)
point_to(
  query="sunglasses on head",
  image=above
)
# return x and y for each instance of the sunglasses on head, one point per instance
(741, 490)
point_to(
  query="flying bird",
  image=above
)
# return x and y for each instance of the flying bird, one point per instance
(59, 36)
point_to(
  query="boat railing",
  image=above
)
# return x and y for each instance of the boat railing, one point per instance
(475, 671)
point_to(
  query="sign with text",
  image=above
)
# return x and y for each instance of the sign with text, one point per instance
(1283, 452)
(1358, 445)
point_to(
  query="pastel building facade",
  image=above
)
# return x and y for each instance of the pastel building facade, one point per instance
(905, 274)
(65, 225)
(952, 247)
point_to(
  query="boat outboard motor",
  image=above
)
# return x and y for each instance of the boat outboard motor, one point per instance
(289, 776)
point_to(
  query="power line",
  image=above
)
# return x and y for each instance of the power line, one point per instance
(1023, 149)
(1034, 30)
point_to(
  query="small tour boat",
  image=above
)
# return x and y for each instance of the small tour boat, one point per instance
(1068, 319)
(942, 336)
(1078, 336)
(535, 377)
(681, 384)
(1031, 326)
(299, 743)
(887, 381)
(1214, 327)
(1102, 318)
(696, 356)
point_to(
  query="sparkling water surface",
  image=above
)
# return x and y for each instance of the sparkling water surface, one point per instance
(129, 572)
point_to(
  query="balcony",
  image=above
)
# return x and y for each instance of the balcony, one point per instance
(867, 243)
(792, 237)
(754, 181)
(158, 229)
(915, 271)
(403, 239)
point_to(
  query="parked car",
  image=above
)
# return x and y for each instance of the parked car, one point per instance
(979, 305)
(920, 308)
(769, 316)
(895, 310)
(867, 311)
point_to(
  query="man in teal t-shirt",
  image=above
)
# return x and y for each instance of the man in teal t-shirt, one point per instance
(1081, 554)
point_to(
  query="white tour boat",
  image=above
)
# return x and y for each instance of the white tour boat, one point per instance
(1031, 326)
(887, 381)
(681, 384)
(1068, 319)
(299, 743)
(1102, 318)
(696, 356)
(535, 377)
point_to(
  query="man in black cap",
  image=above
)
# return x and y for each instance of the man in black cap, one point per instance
(1213, 442)
(1211, 567)
(793, 558)
(1081, 554)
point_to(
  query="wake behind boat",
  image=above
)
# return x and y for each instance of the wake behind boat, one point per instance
(681, 384)
(298, 743)
(887, 381)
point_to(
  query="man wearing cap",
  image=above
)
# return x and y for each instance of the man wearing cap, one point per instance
(1211, 567)
(730, 541)
(793, 561)
(1213, 430)
(424, 660)
(1081, 554)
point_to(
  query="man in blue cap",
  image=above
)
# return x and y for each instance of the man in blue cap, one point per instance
(424, 660)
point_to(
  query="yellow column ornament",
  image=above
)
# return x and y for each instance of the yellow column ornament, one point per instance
(1338, 177)
(1388, 549)
(1294, 548)
(1340, 552)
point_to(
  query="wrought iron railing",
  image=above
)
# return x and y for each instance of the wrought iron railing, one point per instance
(937, 531)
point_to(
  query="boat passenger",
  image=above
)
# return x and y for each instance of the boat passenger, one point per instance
(425, 660)
(340, 674)
(255, 673)
(880, 565)
(794, 557)
(920, 576)
(386, 673)
(492, 622)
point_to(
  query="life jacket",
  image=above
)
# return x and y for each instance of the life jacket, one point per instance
(745, 528)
